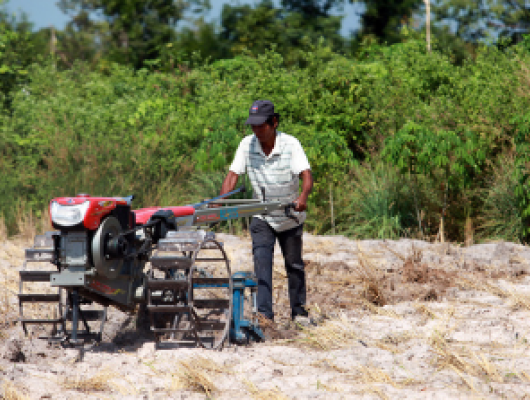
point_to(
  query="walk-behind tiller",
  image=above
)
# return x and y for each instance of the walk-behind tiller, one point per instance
(100, 251)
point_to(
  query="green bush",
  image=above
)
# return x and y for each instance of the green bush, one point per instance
(118, 131)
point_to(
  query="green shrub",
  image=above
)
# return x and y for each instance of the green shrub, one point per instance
(119, 131)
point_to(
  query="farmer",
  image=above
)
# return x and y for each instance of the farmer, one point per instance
(275, 162)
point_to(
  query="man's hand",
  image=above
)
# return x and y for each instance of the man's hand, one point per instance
(229, 184)
(307, 186)
(300, 204)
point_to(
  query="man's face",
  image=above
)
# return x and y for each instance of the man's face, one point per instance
(265, 132)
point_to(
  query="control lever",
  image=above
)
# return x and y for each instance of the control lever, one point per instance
(289, 212)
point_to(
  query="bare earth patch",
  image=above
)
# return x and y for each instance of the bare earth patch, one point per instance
(397, 319)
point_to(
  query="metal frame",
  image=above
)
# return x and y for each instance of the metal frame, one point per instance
(185, 311)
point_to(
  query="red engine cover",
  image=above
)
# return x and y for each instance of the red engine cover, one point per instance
(99, 207)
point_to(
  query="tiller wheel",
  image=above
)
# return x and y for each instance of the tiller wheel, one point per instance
(189, 290)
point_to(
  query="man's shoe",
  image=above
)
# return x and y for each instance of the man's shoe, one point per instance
(303, 321)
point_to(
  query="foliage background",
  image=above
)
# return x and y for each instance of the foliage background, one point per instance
(402, 141)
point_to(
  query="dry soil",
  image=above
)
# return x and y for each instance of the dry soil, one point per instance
(396, 319)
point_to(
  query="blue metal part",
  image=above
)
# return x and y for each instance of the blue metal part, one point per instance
(229, 213)
(242, 330)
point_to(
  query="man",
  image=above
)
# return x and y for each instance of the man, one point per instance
(275, 162)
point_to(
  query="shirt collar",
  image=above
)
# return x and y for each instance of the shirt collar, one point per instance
(278, 145)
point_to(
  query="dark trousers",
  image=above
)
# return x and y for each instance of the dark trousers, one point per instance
(263, 240)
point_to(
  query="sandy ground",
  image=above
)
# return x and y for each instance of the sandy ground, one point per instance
(398, 319)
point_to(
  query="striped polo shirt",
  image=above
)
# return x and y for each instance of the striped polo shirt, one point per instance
(278, 173)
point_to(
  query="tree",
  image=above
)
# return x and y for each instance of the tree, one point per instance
(383, 18)
(313, 19)
(82, 39)
(203, 39)
(133, 31)
(476, 21)
(454, 157)
(17, 52)
(257, 29)
(252, 28)
(312, 8)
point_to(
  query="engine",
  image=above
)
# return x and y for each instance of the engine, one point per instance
(97, 249)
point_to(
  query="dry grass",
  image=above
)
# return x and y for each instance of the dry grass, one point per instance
(269, 394)
(371, 389)
(323, 246)
(487, 368)
(464, 378)
(125, 389)
(384, 312)
(465, 362)
(28, 224)
(328, 365)
(371, 284)
(7, 288)
(372, 278)
(516, 299)
(100, 382)
(195, 374)
(210, 366)
(328, 388)
(12, 392)
(455, 359)
(10, 256)
(425, 310)
(369, 375)
(524, 376)
(413, 268)
(449, 356)
(3, 228)
(332, 334)
(392, 341)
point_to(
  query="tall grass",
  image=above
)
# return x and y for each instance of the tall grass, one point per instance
(376, 202)
(501, 217)
(373, 201)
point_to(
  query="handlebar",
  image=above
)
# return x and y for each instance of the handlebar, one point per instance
(289, 212)
(240, 189)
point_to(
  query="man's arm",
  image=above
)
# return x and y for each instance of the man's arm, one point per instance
(229, 183)
(307, 186)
